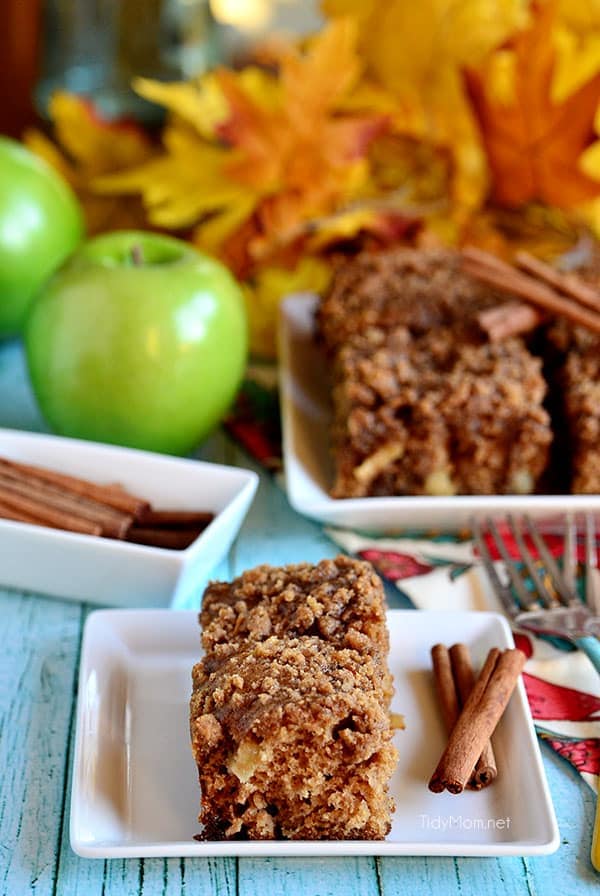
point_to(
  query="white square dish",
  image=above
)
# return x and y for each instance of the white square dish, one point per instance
(108, 571)
(306, 418)
(135, 791)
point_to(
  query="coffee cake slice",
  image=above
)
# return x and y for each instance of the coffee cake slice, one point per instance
(289, 715)
(423, 404)
(435, 415)
(292, 740)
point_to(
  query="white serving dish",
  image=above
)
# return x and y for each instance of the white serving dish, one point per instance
(306, 417)
(135, 791)
(107, 571)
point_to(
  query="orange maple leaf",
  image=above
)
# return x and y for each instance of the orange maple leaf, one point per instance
(288, 145)
(534, 144)
(296, 150)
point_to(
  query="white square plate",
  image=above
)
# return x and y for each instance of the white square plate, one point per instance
(306, 418)
(105, 570)
(135, 790)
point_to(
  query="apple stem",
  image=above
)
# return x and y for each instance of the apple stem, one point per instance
(137, 255)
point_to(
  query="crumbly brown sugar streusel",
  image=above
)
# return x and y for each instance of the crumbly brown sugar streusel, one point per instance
(340, 600)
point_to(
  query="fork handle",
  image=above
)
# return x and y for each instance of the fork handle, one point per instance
(591, 647)
(595, 854)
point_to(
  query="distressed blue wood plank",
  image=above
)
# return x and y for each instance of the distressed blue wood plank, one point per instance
(168, 877)
(309, 877)
(569, 871)
(483, 877)
(213, 877)
(420, 874)
(87, 876)
(37, 668)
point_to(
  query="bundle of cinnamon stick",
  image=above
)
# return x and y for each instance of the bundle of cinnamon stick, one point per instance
(31, 494)
(471, 709)
(544, 290)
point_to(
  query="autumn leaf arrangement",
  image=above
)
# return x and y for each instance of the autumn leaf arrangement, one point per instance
(438, 121)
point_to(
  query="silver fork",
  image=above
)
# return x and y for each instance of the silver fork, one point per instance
(556, 611)
(551, 612)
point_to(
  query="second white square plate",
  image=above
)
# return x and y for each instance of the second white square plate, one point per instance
(306, 419)
(135, 790)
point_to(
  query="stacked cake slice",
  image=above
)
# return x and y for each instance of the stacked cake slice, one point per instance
(289, 717)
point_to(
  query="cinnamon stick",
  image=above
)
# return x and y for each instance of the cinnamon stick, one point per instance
(172, 539)
(175, 519)
(569, 284)
(445, 685)
(50, 516)
(508, 320)
(485, 770)
(478, 719)
(113, 523)
(487, 259)
(508, 279)
(491, 270)
(19, 516)
(39, 496)
(110, 495)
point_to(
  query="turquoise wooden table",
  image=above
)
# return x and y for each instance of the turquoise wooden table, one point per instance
(39, 654)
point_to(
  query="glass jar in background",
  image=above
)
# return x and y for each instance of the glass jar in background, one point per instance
(96, 48)
(243, 23)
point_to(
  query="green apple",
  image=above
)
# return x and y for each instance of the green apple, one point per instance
(138, 340)
(40, 225)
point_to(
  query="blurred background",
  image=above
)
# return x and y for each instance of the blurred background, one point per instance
(333, 126)
(95, 47)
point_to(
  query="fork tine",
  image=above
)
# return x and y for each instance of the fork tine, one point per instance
(570, 554)
(543, 594)
(566, 595)
(502, 591)
(515, 577)
(592, 575)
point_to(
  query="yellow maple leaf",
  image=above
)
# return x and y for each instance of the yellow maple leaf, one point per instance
(182, 185)
(198, 102)
(360, 9)
(580, 15)
(416, 52)
(577, 59)
(86, 147)
(94, 144)
(534, 143)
